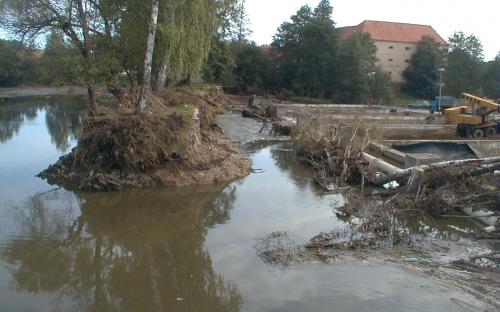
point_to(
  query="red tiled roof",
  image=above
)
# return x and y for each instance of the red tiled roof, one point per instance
(390, 31)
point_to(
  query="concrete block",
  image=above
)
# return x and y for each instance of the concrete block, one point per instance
(395, 155)
(417, 159)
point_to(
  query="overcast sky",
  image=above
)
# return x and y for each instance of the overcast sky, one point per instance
(478, 17)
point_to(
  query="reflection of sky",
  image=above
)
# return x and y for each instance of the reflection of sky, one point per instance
(22, 157)
(28, 152)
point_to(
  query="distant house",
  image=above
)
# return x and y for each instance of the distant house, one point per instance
(395, 42)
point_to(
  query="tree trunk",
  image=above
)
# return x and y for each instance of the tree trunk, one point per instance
(162, 77)
(91, 93)
(148, 58)
(87, 53)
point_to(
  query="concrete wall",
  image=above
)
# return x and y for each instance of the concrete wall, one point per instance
(394, 57)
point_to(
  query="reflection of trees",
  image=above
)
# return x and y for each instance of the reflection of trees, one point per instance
(63, 124)
(140, 250)
(63, 117)
(285, 158)
(11, 119)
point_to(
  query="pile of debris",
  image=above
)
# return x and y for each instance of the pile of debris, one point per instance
(260, 107)
(265, 110)
(334, 152)
(175, 142)
(278, 249)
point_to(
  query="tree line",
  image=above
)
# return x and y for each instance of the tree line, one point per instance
(306, 59)
(22, 64)
(462, 64)
(141, 44)
(164, 42)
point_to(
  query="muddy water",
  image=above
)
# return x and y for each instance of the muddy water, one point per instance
(186, 249)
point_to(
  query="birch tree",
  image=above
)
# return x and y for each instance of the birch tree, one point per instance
(148, 58)
(186, 29)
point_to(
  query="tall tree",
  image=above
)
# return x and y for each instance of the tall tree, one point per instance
(219, 60)
(186, 32)
(422, 74)
(465, 57)
(253, 68)
(490, 82)
(18, 64)
(60, 63)
(241, 30)
(307, 46)
(357, 62)
(148, 57)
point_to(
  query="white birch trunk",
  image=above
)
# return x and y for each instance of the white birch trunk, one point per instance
(148, 58)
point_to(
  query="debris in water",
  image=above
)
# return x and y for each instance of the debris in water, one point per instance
(278, 249)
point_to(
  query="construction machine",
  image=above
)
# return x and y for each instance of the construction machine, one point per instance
(476, 119)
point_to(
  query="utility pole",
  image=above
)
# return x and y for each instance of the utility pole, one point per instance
(441, 70)
(371, 78)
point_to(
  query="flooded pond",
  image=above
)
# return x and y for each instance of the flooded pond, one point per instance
(176, 249)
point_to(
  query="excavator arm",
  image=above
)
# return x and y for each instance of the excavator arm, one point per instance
(478, 102)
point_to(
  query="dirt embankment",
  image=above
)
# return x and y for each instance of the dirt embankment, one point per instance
(175, 142)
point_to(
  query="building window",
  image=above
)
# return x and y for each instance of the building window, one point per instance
(390, 60)
(391, 47)
(407, 48)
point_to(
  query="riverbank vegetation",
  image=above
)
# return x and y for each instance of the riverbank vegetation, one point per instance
(106, 42)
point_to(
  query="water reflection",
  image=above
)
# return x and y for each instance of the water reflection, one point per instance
(285, 159)
(63, 117)
(139, 250)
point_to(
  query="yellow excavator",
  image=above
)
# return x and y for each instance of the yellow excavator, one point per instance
(476, 119)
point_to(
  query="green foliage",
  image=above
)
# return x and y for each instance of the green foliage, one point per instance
(240, 30)
(185, 33)
(357, 70)
(422, 74)
(307, 46)
(470, 45)
(491, 78)
(219, 61)
(61, 64)
(252, 69)
(465, 57)
(18, 65)
(110, 35)
(381, 90)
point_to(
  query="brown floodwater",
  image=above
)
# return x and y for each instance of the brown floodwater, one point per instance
(175, 249)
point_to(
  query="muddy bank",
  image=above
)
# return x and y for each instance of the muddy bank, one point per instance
(176, 142)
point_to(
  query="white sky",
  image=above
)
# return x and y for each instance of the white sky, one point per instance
(478, 17)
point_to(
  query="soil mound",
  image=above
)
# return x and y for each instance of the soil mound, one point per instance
(175, 142)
